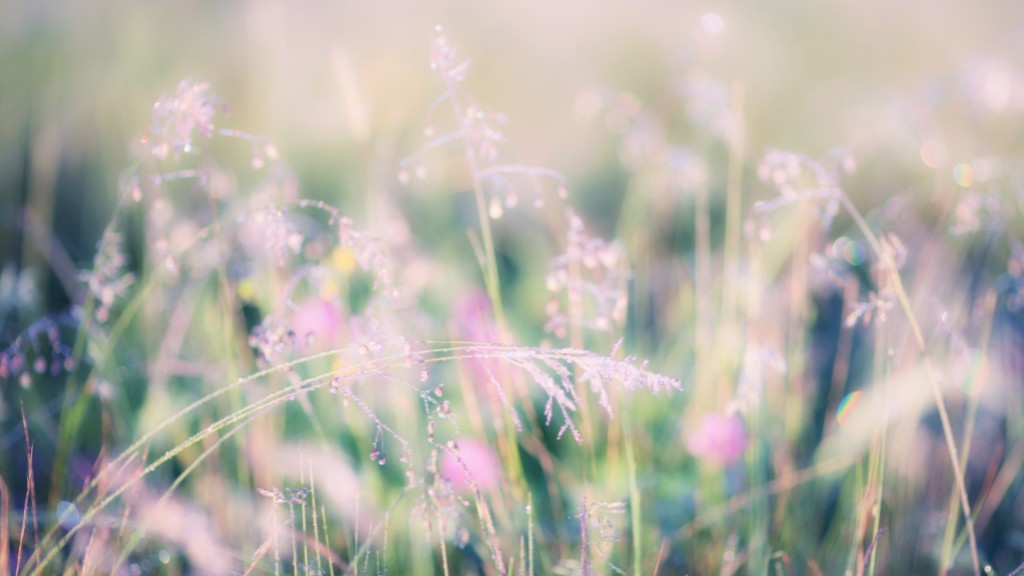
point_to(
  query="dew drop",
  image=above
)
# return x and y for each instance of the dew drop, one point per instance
(382, 460)
(421, 172)
(495, 211)
(375, 455)
(551, 282)
(403, 177)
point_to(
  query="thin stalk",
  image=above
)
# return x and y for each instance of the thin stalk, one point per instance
(529, 531)
(327, 540)
(316, 524)
(940, 403)
(635, 501)
(876, 528)
(440, 538)
(702, 299)
(491, 279)
(733, 207)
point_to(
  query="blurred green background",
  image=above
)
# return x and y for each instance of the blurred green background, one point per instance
(338, 84)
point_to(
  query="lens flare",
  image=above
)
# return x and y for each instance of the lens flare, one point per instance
(847, 406)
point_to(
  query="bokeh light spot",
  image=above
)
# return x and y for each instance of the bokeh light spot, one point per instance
(712, 23)
(963, 174)
(933, 153)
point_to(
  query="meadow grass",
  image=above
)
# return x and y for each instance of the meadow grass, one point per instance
(757, 374)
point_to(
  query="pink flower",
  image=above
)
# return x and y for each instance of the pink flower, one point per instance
(318, 324)
(718, 440)
(474, 322)
(474, 319)
(482, 463)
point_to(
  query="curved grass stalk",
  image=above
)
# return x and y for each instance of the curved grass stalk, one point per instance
(177, 482)
(69, 426)
(136, 446)
(453, 352)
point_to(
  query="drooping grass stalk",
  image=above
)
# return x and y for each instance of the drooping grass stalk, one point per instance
(75, 403)
(192, 467)
(369, 367)
(492, 280)
(940, 403)
(271, 400)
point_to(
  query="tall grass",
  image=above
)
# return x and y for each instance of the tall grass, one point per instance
(760, 374)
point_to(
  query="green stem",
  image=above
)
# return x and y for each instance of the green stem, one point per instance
(940, 403)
